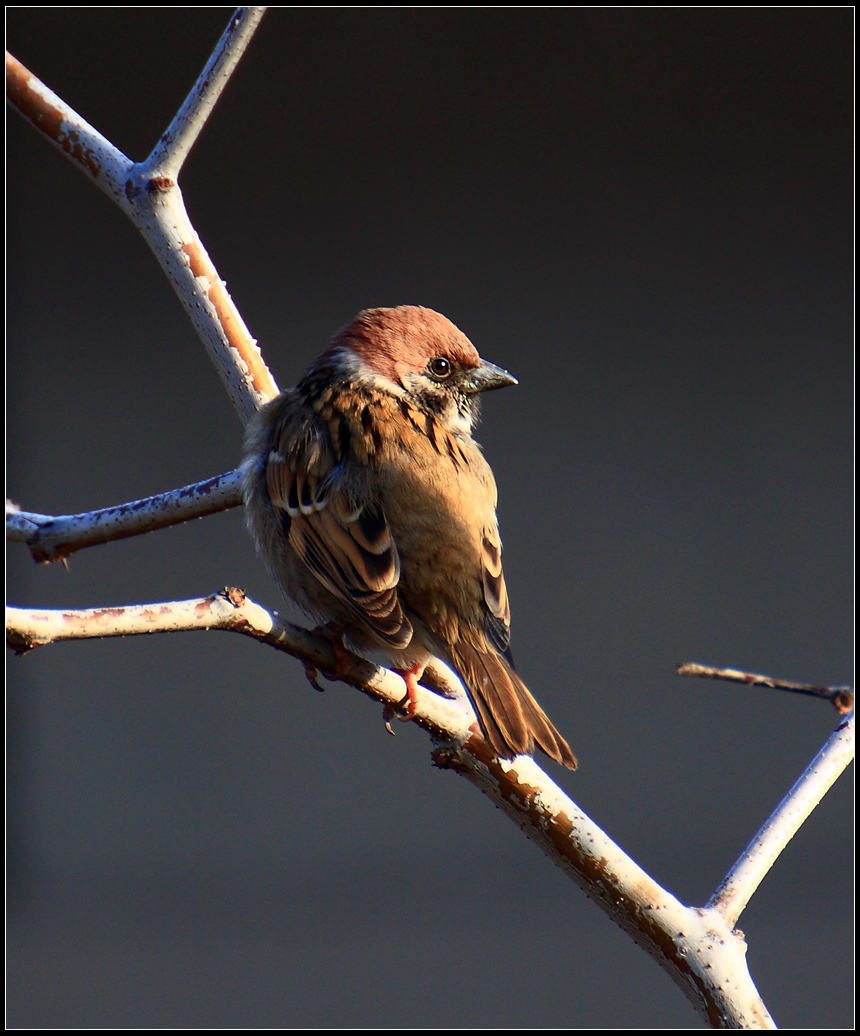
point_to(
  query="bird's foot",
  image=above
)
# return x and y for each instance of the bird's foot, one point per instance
(406, 708)
(333, 633)
(408, 704)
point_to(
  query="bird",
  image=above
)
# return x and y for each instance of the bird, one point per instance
(374, 509)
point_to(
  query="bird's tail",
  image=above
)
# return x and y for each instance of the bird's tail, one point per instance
(512, 721)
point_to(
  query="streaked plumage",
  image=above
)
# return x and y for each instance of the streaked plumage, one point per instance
(374, 509)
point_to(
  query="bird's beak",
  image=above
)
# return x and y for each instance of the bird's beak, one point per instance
(487, 376)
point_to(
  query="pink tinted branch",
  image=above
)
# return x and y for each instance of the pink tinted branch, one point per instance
(54, 537)
(842, 698)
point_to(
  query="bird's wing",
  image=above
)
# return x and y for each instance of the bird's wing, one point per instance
(497, 620)
(341, 534)
(510, 717)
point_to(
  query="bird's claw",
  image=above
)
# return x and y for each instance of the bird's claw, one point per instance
(408, 704)
(407, 707)
(387, 716)
(312, 673)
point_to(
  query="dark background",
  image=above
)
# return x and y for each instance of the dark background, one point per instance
(646, 216)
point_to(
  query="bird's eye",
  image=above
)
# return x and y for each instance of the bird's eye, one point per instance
(440, 368)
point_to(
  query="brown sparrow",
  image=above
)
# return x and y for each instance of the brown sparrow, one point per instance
(375, 511)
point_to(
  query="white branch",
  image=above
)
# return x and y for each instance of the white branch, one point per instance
(746, 875)
(448, 718)
(93, 154)
(841, 698)
(701, 953)
(171, 151)
(154, 204)
(53, 537)
(696, 946)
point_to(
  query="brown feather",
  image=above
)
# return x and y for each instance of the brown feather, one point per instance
(512, 721)
(375, 509)
(349, 549)
(377, 608)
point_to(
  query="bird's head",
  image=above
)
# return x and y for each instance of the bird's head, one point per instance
(417, 353)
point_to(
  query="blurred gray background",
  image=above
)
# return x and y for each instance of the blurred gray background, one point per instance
(646, 216)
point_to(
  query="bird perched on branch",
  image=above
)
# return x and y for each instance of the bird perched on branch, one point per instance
(375, 511)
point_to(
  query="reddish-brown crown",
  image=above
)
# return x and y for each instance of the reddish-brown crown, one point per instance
(398, 341)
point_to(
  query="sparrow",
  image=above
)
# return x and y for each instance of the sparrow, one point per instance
(375, 511)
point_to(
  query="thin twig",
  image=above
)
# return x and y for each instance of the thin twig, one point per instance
(842, 698)
(54, 537)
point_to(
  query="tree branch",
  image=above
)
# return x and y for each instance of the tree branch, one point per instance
(154, 204)
(737, 888)
(842, 698)
(447, 716)
(696, 946)
(54, 537)
(93, 154)
(180, 136)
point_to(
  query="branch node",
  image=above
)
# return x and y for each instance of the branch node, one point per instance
(234, 595)
(19, 643)
(160, 184)
(443, 758)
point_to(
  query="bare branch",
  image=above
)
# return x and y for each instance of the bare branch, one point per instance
(446, 718)
(701, 953)
(53, 537)
(746, 875)
(697, 947)
(95, 156)
(171, 151)
(155, 206)
(161, 217)
(842, 698)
